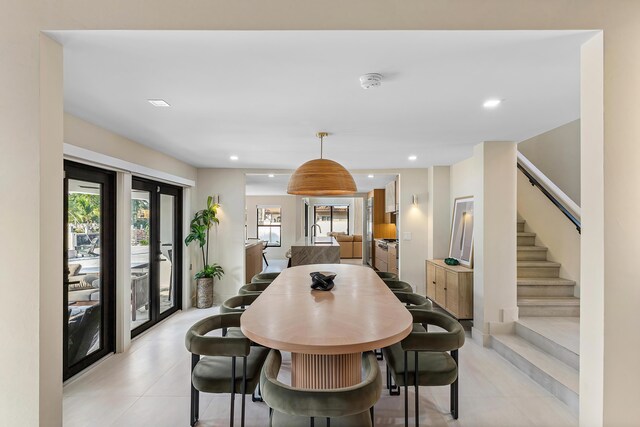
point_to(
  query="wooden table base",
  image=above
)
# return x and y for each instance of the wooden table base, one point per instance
(325, 371)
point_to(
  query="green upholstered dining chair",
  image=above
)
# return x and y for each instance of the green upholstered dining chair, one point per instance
(236, 304)
(264, 277)
(397, 285)
(347, 406)
(387, 275)
(228, 365)
(251, 288)
(412, 301)
(421, 359)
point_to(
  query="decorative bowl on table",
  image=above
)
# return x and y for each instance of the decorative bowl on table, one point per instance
(322, 280)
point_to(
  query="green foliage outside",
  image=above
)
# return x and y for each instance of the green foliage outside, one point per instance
(84, 212)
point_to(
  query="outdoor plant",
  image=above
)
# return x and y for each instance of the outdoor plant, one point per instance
(200, 226)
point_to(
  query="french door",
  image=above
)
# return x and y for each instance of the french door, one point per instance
(88, 266)
(156, 252)
(331, 219)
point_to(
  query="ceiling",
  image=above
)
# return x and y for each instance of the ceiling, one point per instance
(263, 185)
(262, 95)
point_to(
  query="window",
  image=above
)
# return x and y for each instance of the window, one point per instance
(269, 225)
(332, 219)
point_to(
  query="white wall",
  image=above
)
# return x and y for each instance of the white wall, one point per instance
(439, 213)
(227, 239)
(557, 154)
(81, 133)
(462, 182)
(289, 221)
(552, 228)
(413, 227)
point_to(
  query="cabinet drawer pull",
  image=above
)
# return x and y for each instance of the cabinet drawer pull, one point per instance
(434, 282)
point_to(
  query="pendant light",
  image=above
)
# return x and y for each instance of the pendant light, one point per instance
(321, 177)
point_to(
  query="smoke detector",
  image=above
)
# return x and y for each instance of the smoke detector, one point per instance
(371, 80)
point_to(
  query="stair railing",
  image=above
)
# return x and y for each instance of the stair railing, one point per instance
(558, 197)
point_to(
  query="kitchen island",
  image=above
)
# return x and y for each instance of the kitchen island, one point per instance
(315, 250)
(253, 258)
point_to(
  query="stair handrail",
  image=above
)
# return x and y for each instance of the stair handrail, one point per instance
(558, 197)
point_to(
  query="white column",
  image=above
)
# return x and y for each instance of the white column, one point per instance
(495, 289)
(123, 262)
(47, 344)
(592, 289)
(439, 212)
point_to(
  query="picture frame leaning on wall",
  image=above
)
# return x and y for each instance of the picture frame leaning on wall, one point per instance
(461, 243)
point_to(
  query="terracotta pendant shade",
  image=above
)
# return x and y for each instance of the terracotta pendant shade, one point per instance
(321, 177)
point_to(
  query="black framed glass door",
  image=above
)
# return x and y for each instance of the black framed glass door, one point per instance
(156, 252)
(88, 266)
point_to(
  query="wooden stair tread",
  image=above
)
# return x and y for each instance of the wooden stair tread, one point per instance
(525, 234)
(561, 372)
(545, 281)
(548, 301)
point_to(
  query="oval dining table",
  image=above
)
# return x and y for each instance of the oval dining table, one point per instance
(326, 331)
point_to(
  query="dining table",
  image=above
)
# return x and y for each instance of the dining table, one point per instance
(326, 332)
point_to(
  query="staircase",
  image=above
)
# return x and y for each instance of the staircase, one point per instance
(541, 290)
(544, 342)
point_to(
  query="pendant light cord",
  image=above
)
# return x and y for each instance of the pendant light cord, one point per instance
(321, 144)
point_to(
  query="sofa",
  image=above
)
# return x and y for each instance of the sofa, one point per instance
(82, 287)
(350, 245)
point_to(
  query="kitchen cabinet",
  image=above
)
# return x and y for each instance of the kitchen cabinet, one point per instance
(381, 258)
(392, 257)
(381, 228)
(450, 287)
(390, 197)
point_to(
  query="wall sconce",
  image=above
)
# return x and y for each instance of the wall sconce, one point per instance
(216, 199)
(414, 199)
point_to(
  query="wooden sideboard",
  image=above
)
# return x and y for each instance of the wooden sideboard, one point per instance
(451, 287)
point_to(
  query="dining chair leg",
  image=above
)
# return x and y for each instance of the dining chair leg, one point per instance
(373, 418)
(394, 389)
(454, 387)
(417, 385)
(312, 422)
(244, 388)
(406, 391)
(328, 422)
(233, 389)
(195, 395)
(256, 396)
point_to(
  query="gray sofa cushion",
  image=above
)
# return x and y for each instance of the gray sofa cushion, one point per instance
(91, 294)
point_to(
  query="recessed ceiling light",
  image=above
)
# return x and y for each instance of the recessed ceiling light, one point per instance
(271, 175)
(234, 158)
(369, 176)
(158, 103)
(491, 103)
(412, 157)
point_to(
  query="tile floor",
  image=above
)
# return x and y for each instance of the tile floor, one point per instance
(149, 386)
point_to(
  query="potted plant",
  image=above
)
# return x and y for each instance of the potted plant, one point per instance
(200, 225)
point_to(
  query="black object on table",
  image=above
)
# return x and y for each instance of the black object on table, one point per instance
(322, 281)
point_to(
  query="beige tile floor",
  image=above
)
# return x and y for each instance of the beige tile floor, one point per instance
(149, 386)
